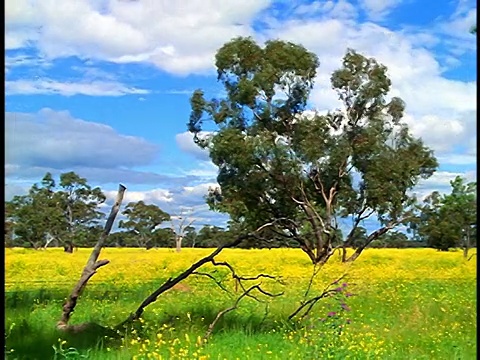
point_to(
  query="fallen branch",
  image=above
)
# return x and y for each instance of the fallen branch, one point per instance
(311, 303)
(471, 256)
(93, 264)
(167, 285)
(210, 276)
(310, 283)
(172, 282)
(235, 306)
(238, 278)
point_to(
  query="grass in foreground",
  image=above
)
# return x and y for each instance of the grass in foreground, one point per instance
(408, 304)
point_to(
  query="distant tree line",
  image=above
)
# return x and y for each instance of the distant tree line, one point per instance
(67, 214)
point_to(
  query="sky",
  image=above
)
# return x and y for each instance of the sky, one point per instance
(102, 87)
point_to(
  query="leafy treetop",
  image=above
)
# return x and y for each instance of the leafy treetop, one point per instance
(301, 170)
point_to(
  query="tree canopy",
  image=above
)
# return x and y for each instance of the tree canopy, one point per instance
(449, 220)
(63, 212)
(143, 219)
(300, 170)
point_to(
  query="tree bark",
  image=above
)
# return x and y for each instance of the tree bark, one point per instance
(466, 247)
(170, 283)
(367, 242)
(178, 243)
(68, 247)
(90, 268)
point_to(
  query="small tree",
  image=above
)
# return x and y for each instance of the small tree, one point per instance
(79, 202)
(190, 236)
(143, 219)
(301, 171)
(184, 222)
(55, 213)
(450, 220)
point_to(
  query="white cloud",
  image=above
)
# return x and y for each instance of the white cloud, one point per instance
(188, 201)
(440, 181)
(176, 36)
(378, 9)
(332, 9)
(186, 144)
(56, 139)
(48, 86)
(443, 134)
(154, 196)
(440, 110)
(204, 170)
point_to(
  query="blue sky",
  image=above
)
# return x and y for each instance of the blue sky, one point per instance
(102, 87)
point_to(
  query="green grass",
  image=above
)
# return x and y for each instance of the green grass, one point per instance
(424, 319)
(393, 316)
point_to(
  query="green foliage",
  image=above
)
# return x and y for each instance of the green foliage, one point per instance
(301, 173)
(450, 220)
(143, 219)
(61, 213)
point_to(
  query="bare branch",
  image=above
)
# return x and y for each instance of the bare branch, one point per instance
(235, 306)
(92, 264)
(311, 303)
(167, 285)
(314, 273)
(219, 284)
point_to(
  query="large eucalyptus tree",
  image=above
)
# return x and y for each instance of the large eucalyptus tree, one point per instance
(281, 163)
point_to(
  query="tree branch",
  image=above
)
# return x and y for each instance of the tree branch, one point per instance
(311, 303)
(92, 264)
(167, 285)
(245, 293)
(210, 276)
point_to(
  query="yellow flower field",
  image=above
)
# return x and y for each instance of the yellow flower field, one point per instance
(406, 304)
(27, 269)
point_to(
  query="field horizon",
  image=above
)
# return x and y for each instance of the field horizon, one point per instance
(401, 304)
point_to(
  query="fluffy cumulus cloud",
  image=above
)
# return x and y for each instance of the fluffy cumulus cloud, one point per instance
(56, 139)
(186, 144)
(440, 110)
(440, 181)
(176, 36)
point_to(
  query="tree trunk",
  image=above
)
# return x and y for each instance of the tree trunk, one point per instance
(93, 264)
(35, 244)
(466, 246)
(178, 243)
(344, 253)
(356, 254)
(68, 247)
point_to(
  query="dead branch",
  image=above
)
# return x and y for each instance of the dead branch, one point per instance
(181, 230)
(314, 273)
(471, 256)
(91, 267)
(238, 279)
(235, 306)
(311, 302)
(167, 285)
(210, 276)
